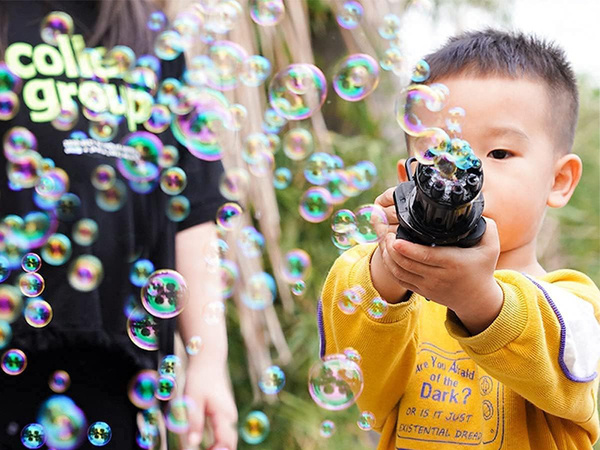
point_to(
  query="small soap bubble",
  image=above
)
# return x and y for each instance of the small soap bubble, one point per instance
(165, 389)
(178, 414)
(349, 301)
(142, 387)
(454, 121)
(38, 313)
(353, 355)
(169, 157)
(239, 115)
(410, 104)
(267, 13)
(255, 428)
(9, 105)
(298, 144)
(366, 421)
(282, 177)
(59, 381)
(343, 221)
(251, 242)
(234, 183)
(229, 275)
(194, 345)
(356, 76)
(165, 293)
(85, 232)
(390, 26)
(272, 380)
(142, 329)
(255, 70)
(9, 81)
(228, 65)
(55, 24)
(429, 144)
(173, 181)
(315, 205)
(229, 216)
(420, 72)
(298, 91)
(11, 305)
(371, 223)
(99, 434)
(13, 362)
(159, 120)
(5, 332)
(260, 291)
(33, 436)
(85, 273)
(31, 262)
(168, 45)
(213, 312)
(64, 422)
(4, 268)
(222, 17)
(31, 284)
(67, 117)
(297, 265)
(350, 15)
(157, 20)
(298, 288)
(327, 429)
(178, 208)
(392, 60)
(377, 308)
(335, 382)
(318, 168)
(140, 272)
(104, 128)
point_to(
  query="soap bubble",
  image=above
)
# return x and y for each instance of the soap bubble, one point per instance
(165, 389)
(350, 15)
(318, 168)
(4, 268)
(148, 146)
(178, 414)
(353, 355)
(9, 105)
(364, 174)
(142, 329)
(63, 421)
(420, 72)
(229, 216)
(31, 284)
(103, 177)
(11, 303)
(393, 60)
(113, 198)
(142, 387)
(168, 45)
(350, 299)
(59, 381)
(315, 205)
(390, 26)
(9, 81)
(259, 291)
(298, 91)
(194, 345)
(296, 265)
(272, 380)
(239, 114)
(85, 273)
(228, 65)
(159, 120)
(140, 272)
(173, 181)
(5, 332)
(13, 362)
(85, 232)
(55, 24)
(229, 275)
(298, 287)
(178, 208)
(410, 104)
(104, 128)
(251, 242)
(298, 144)
(267, 12)
(222, 17)
(234, 183)
(454, 121)
(38, 313)
(24, 171)
(255, 428)
(213, 312)
(33, 436)
(343, 221)
(335, 382)
(16, 141)
(356, 76)
(157, 20)
(282, 177)
(430, 143)
(377, 308)
(67, 117)
(31, 262)
(327, 429)
(371, 223)
(169, 157)
(165, 294)
(366, 421)
(99, 434)
(255, 70)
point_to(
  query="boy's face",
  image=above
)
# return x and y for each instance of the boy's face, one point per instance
(507, 123)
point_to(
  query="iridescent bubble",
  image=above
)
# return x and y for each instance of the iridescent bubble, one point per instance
(63, 421)
(251, 242)
(104, 128)
(272, 380)
(315, 205)
(229, 216)
(298, 288)
(282, 177)
(393, 60)
(159, 120)
(9, 105)
(273, 121)
(412, 99)
(169, 157)
(55, 24)
(364, 174)
(157, 20)
(142, 329)
(194, 345)
(85, 273)
(4, 268)
(99, 434)
(213, 312)
(454, 121)
(103, 177)
(85, 232)
(53, 184)
(173, 181)
(13, 362)
(170, 365)
(377, 308)
(259, 291)
(11, 303)
(350, 15)
(67, 117)
(118, 61)
(31, 284)
(140, 272)
(356, 77)
(327, 429)
(420, 72)
(298, 144)
(178, 208)
(59, 381)
(33, 436)
(296, 265)
(274, 142)
(255, 428)
(347, 303)
(353, 355)
(68, 207)
(178, 414)
(148, 147)
(229, 275)
(16, 141)
(222, 17)
(390, 26)
(23, 171)
(165, 294)
(234, 183)
(38, 313)
(5, 333)
(298, 91)
(371, 223)
(366, 421)
(165, 389)
(168, 45)
(267, 13)
(318, 168)
(239, 115)
(168, 90)
(31, 262)
(343, 221)
(9, 81)
(429, 144)
(228, 65)
(142, 387)
(335, 382)
(442, 94)
(255, 70)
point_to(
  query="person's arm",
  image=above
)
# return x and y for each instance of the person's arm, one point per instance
(207, 378)
(387, 345)
(544, 344)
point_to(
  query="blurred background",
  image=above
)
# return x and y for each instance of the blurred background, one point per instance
(309, 31)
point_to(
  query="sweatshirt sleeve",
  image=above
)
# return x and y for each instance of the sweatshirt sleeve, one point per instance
(545, 343)
(387, 345)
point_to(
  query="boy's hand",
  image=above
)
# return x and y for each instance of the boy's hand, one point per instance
(460, 278)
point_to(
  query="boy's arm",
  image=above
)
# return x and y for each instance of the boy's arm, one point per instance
(544, 344)
(387, 345)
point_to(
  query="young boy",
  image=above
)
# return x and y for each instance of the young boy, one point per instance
(505, 355)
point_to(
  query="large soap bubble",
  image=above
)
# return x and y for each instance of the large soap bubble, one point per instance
(335, 382)
(298, 91)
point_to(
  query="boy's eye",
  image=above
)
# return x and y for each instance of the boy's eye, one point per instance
(499, 154)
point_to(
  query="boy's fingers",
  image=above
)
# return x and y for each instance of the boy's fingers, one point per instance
(429, 256)
(414, 267)
(386, 198)
(224, 428)
(196, 426)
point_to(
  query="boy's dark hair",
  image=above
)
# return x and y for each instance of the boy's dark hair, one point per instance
(514, 54)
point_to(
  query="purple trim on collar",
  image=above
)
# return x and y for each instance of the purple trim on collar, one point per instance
(321, 329)
(563, 336)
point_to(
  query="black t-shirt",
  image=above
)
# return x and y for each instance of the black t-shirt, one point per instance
(139, 229)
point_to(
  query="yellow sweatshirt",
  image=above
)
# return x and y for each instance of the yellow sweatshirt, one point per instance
(528, 381)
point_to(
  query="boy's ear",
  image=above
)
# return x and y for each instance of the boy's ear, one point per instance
(567, 173)
(402, 176)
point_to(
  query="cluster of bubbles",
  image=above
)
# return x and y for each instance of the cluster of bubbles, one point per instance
(366, 224)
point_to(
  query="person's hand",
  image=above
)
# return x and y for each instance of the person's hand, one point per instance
(208, 387)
